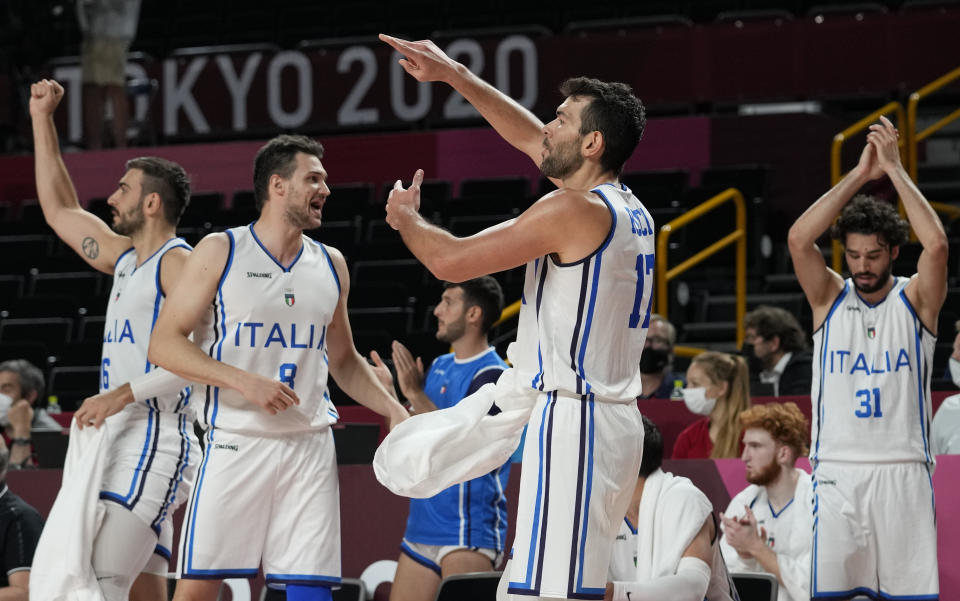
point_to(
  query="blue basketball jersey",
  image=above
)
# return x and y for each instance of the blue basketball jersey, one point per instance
(135, 301)
(474, 513)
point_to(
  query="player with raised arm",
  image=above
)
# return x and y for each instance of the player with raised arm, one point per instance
(268, 308)
(589, 251)
(874, 335)
(153, 451)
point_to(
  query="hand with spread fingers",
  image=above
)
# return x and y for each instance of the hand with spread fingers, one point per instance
(96, 409)
(423, 60)
(382, 372)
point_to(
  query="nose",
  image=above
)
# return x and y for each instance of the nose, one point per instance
(436, 311)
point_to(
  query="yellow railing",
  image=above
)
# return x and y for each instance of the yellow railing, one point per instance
(738, 236)
(510, 311)
(836, 169)
(915, 137)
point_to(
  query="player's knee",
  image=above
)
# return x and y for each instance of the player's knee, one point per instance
(300, 592)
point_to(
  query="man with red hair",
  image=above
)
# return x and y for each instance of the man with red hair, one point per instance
(768, 526)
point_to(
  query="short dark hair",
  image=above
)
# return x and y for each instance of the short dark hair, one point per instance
(870, 215)
(31, 378)
(613, 111)
(483, 292)
(773, 321)
(169, 180)
(279, 156)
(652, 448)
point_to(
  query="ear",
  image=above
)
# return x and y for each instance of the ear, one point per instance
(592, 145)
(777, 346)
(722, 389)
(152, 204)
(277, 186)
(783, 453)
(475, 314)
(894, 252)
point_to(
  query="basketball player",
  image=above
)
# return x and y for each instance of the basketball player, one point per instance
(668, 548)
(873, 347)
(268, 306)
(589, 252)
(152, 458)
(462, 529)
(767, 525)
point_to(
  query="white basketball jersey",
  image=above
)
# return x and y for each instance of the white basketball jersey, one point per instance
(135, 301)
(271, 320)
(582, 325)
(871, 381)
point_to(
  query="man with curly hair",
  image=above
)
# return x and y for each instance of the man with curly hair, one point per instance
(766, 527)
(873, 341)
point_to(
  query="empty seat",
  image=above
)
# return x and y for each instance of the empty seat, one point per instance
(90, 329)
(73, 384)
(204, 208)
(34, 352)
(38, 306)
(11, 286)
(348, 201)
(468, 225)
(408, 272)
(657, 189)
(490, 196)
(53, 332)
(755, 586)
(380, 294)
(474, 586)
(75, 284)
(20, 253)
(396, 321)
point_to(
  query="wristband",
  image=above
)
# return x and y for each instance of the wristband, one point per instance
(20, 440)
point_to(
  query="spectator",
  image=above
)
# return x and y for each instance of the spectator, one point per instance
(717, 388)
(22, 383)
(768, 526)
(945, 431)
(108, 28)
(656, 362)
(20, 526)
(776, 341)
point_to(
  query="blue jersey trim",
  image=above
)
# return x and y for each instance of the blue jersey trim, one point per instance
(823, 365)
(267, 252)
(406, 550)
(307, 579)
(538, 379)
(177, 478)
(633, 530)
(122, 255)
(922, 369)
(586, 329)
(872, 594)
(586, 428)
(778, 514)
(606, 241)
(159, 265)
(163, 552)
(336, 278)
(879, 302)
(188, 536)
(218, 574)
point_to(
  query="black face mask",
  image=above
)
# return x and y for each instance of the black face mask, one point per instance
(753, 362)
(653, 360)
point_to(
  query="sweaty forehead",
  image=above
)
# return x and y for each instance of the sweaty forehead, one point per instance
(572, 106)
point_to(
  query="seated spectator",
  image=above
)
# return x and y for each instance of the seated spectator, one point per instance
(20, 526)
(22, 382)
(656, 362)
(776, 346)
(718, 388)
(667, 547)
(768, 526)
(945, 430)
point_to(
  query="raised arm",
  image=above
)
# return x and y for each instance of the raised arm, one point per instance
(170, 344)
(349, 369)
(83, 231)
(518, 126)
(821, 284)
(542, 229)
(928, 289)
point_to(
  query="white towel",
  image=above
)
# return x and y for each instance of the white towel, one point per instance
(62, 566)
(672, 512)
(433, 451)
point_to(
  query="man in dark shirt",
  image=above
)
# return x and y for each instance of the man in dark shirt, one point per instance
(20, 526)
(775, 346)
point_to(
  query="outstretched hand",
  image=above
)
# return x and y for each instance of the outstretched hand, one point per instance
(401, 202)
(423, 60)
(45, 96)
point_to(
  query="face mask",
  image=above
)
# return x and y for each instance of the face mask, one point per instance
(954, 370)
(697, 402)
(5, 403)
(653, 360)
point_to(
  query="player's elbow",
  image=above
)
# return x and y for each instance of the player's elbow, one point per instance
(156, 350)
(446, 268)
(797, 239)
(938, 248)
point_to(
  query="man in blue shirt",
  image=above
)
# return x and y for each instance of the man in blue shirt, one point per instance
(463, 528)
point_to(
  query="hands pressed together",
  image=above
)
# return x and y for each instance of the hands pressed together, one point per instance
(742, 534)
(882, 152)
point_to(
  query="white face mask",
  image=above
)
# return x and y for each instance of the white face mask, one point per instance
(697, 402)
(5, 403)
(955, 371)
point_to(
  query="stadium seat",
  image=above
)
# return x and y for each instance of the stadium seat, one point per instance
(475, 586)
(75, 284)
(53, 332)
(756, 586)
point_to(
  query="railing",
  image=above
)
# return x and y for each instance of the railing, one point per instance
(836, 173)
(510, 311)
(915, 137)
(738, 236)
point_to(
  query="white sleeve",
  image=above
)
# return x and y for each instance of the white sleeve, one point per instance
(156, 383)
(690, 583)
